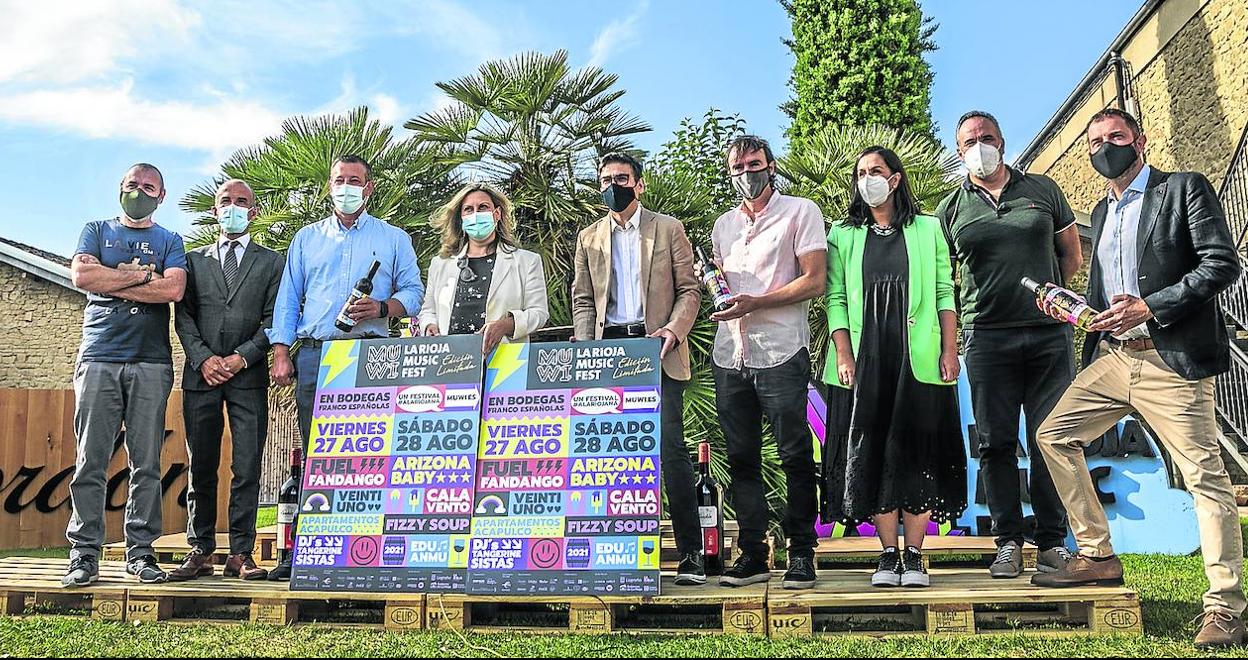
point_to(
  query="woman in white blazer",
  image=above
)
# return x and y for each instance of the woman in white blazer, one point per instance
(481, 281)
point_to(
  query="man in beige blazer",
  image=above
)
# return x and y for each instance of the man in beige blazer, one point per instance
(634, 278)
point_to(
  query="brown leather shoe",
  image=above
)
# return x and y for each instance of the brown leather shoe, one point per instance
(1083, 572)
(243, 566)
(197, 564)
(1220, 630)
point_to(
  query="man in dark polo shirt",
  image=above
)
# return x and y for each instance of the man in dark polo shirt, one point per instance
(1004, 225)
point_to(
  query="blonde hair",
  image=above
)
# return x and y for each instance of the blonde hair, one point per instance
(449, 222)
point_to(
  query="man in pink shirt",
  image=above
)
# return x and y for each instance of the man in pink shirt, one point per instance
(773, 252)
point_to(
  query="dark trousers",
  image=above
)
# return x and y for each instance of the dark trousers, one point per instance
(307, 366)
(1009, 369)
(742, 397)
(249, 428)
(678, 476)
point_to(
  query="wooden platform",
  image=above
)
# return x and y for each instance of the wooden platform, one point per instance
(708, 608)
(835, 553)
(172, 548)
(960, 601)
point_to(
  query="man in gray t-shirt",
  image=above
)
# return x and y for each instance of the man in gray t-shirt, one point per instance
(131, 269)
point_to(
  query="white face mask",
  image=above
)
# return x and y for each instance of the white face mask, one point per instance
(347, 198)
(874, 189)
(982, 160)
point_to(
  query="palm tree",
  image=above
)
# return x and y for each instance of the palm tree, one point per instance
(289, 173)
(822, 169)
(536, 128)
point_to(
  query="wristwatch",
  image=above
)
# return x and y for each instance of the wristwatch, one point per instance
(385, 312)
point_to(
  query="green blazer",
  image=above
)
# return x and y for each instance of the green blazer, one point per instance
(931, 291)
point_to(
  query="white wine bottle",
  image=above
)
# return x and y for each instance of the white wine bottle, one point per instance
(1069, 303)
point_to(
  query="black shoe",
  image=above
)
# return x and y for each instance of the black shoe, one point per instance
(747, 570)
(888, 571)
(914, 575)
(280, 573)
(83, 570)
(801, 573)
(146, 569)
(692, 570)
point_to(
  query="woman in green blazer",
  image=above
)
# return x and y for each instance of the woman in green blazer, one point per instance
(891, 315)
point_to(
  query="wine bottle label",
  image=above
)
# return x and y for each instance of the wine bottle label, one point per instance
(1073, 315)
(710, 541)
(286, 513)
(285, 540)
(717, 285)
(708, 516)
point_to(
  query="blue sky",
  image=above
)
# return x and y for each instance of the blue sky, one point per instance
(88, 88)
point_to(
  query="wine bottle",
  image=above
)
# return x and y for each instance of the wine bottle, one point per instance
(362, 288)
(1069, 303)
(288, 506)
(716, 283)
(710, 513)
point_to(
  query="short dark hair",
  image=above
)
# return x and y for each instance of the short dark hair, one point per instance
(148, 167)
(355, 160)
(748, 143)
(1125, 116)
(905, 205)
(980, 114)
(620, 157)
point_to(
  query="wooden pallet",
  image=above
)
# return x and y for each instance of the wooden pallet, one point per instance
(119, 597)
(173, 547)
(836, 553)
(961, 601)
(708, 608)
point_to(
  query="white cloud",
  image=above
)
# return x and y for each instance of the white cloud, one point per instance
(117, 113)
(618, 34)
(74, 41)
(451, 27)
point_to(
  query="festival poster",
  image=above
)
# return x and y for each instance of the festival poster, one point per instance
(568, 492)
(388, 481)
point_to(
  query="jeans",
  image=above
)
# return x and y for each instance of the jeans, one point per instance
(1009, 369)
(742, 398)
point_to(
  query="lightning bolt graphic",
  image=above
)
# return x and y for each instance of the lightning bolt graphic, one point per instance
(337, 359)
(507, 360)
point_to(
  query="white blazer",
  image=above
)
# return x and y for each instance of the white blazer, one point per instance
(518, 285)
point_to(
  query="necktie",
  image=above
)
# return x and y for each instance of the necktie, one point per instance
(231, 266)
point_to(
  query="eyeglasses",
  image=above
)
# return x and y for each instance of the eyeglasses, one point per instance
(466, 274)
(618, 179)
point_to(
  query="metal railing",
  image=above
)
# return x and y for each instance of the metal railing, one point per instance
(1232, 387)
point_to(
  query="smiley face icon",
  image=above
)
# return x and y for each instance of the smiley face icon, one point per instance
(545, 554)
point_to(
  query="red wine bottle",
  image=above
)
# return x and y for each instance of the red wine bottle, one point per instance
(710, 512)
(716, 283)
(364, 287)
(288, 506)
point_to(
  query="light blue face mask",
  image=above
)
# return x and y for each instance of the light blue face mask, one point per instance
(233, 219)
(479, 225)
(347, 199)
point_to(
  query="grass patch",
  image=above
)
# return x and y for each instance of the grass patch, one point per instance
(1170, 589)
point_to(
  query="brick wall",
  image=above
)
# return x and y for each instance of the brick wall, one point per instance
(1193, 102)
(40, 330)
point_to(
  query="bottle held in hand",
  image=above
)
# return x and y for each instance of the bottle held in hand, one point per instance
(716, 283)
(1075, 310)
(364, 287)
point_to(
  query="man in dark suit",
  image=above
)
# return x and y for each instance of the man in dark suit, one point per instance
(230, 293)
(1162, 254)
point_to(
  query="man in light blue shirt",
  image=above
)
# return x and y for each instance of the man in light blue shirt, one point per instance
(1117, 249)
(324, 262)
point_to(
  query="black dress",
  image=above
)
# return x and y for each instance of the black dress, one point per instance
(471, 293)
(893, 442)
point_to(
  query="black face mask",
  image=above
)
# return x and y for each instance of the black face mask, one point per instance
(617, 197)
(1111, 160)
